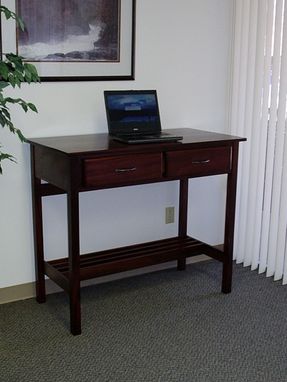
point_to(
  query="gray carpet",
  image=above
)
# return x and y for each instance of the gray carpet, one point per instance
(166, 326)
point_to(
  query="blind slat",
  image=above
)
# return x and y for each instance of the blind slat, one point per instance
(256, 118)
(279, 264)
(245, 98)
(278, 163)
(263, 138)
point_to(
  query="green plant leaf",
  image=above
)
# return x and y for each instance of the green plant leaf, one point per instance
(24, 106)
(3, 85)
(5, 112)
(4, 156)
(2, 120)
(28, 77)
(20, 135)
(4, 71)
(12, 81)
(32, 107)
(31, 72)
(12, 100)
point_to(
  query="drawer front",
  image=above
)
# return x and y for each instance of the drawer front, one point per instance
(124, 169)
(199, 162)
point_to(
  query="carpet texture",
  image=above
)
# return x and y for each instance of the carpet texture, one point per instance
(166, 326)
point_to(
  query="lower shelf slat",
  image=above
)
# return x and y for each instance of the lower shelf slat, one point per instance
(136, 256)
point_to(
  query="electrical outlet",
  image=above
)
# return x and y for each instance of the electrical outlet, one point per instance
(169, 215)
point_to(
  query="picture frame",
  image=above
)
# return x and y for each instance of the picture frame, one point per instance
(73, 40)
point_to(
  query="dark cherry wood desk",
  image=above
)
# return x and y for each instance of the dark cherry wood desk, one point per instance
(73, 164)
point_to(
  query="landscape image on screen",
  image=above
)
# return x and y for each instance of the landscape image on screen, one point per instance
(69, 30)
(133, 108)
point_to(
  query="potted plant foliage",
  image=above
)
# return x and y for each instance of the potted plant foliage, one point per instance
(13, 72)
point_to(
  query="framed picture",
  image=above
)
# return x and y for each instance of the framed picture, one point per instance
(73, 40)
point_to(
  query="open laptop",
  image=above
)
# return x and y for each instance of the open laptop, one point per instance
(133, 117)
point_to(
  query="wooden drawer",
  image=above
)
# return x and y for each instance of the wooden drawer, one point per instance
(198, 162)
(117, 170)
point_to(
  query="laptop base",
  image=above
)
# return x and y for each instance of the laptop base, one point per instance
(146, 139)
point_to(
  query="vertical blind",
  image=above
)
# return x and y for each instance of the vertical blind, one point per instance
(259, 112)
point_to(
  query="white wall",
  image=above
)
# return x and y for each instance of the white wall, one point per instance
(183, 51)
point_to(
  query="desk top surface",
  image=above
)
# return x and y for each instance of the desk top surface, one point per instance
(81, 144)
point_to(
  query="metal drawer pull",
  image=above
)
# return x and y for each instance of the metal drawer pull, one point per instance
(203, 161)
(125, 169)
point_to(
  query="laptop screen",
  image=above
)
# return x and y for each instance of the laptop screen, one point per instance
(132, 112)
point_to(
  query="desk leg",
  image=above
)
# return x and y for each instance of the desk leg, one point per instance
(182, 223)
(229, 222)
(38, 233)
(74, 261)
